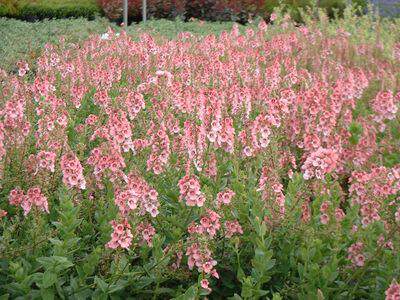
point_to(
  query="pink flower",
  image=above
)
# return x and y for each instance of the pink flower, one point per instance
(324, 218)
(339, 214)
(200, 256)
(147, 232)
(46, 160)
(72, 171)
(397, 215)
(205, 285)
(359, 260)
(189, 188)
(232, 227)
(355, 255)
(209, 224)
(320, 162)
(324, 206)
(3, 213)
(121, 236)
(393, 292)
(225, 197)
(16, 196)
(33, 198)
(23, 68)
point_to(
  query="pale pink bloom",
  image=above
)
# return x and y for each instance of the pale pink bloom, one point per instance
(324, 218)
(393, 292)
(205, 285)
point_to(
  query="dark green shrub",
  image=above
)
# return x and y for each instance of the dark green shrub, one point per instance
(49, 9)
(220, 10)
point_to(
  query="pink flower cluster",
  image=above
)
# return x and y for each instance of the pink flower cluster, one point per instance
(204, 283)
(369, 189)
(382, 242)
(209, 224)
(23, 68)
(222, 134)
(397, 215)
(135, 103)
(320, 162)
(324, 218)
(137, 194)
(272, 189)
(121, 235)
(231, 228)
(355, 254)
(189, 189)
(393, 292)
(72, 171)
(107, 162)
(117, 131)
(147, 231)
(200, 257)
(46, 160)
(3, 213)
(160, 149)
(384, 106)
(225, 197)
(33, 198)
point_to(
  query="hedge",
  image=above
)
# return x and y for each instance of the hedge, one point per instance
(217, 10)
(210, 10)
(32, 10)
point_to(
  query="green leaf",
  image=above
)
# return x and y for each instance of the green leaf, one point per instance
(55, 263)
(276, 296)
(190, 294)
(101, 284)
(49, 278)
(235, 297)
(47, 294)
(120, 285)
(240, 274)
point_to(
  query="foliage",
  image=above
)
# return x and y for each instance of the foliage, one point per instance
(218, 10)
(41, 9)
(260, 163)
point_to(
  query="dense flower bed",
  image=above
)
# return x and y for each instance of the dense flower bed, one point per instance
(252, 164)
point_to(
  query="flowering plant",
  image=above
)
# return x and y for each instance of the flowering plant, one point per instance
(249, 165)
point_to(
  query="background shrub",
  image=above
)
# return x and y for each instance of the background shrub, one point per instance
(155, 9)
(210, 10)
(218, 10)
(41, 9)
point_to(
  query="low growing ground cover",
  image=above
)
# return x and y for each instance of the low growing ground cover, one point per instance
(258, 163)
